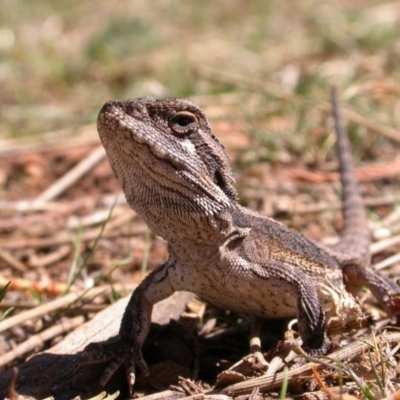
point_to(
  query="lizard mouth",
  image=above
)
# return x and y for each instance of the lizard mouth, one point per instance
(133, 145)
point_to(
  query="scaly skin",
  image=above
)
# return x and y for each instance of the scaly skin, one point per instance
(176, 176)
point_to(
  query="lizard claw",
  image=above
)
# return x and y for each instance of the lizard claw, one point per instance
(115, 353)
(130, 376)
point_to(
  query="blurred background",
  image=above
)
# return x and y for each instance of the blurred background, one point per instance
(60, 61)
(261, 71)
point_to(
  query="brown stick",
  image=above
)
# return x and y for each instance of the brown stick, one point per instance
(38, 376)
(266, 383)
(73, 175)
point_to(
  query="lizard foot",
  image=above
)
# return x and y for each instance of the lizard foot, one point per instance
(307, 350)
(115, 353)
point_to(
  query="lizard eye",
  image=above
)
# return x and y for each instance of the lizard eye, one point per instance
(183, 122)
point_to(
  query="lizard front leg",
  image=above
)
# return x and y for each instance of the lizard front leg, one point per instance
(310, 315)
(126, 347)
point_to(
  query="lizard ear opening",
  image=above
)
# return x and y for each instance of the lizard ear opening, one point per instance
(226, 187)
(218, 180)
(183, 123)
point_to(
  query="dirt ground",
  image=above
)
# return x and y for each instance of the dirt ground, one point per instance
(261, 71)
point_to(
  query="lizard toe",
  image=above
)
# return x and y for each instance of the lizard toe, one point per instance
(114, 353)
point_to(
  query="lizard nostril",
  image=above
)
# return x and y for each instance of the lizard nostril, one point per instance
(136, 110)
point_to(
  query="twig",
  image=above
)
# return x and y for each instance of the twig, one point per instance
(255, 341)
(72, 310)
(59, 206)
(392, 218)
(271, 382)
(322, 207)
(39, 339)
(384, 244)
(368, 173)
(66, 237)
(353, 116)
(58, 210)
(49, 307)
(65, 138)
(24, 206)
(12, 261)
(73, 175)
(44, 286)
(387, 262)
(279, 361)
(50, 258)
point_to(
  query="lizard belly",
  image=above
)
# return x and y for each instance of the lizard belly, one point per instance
(267, 302)
(238, 289)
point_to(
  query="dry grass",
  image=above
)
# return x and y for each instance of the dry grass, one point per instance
(261, 71)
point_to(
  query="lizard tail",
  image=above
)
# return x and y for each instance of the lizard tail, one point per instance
(355, 237)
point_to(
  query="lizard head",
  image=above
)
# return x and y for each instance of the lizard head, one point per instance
(164, 151)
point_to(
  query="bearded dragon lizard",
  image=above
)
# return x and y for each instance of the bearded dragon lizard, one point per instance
(176, 175)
